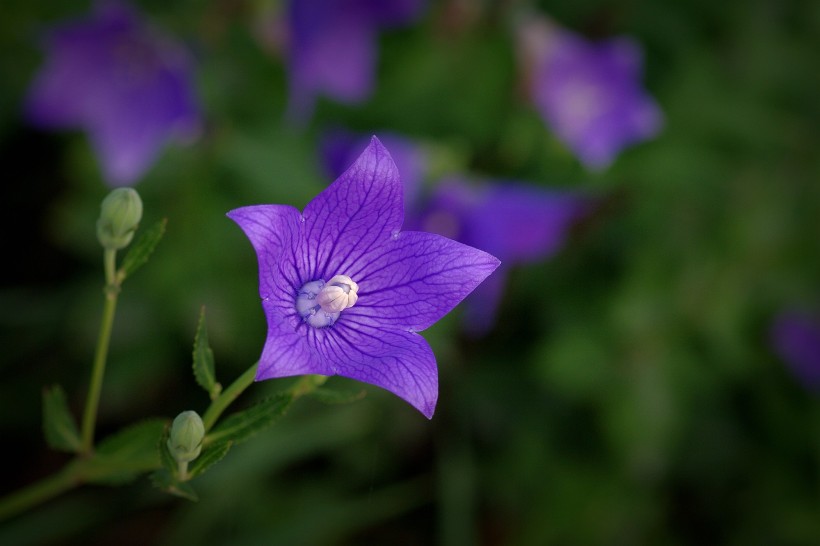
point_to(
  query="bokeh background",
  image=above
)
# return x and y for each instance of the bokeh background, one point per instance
(629, 393)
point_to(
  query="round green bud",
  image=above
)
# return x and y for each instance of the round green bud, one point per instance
(185, 440)
(120, 214)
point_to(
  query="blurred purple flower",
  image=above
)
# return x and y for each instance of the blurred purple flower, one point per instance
(122, 81)
(796, 339)
(333, 47)
(517, 223)
(589, 93)
(345, 291)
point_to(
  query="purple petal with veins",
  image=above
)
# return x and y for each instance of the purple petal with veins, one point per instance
(796, 339)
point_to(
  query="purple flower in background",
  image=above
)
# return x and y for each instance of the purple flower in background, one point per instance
(340, 148)
(518, 224)
(333, 47)
(589, 93)
(120, 80)
(345, 291)
(796, 339)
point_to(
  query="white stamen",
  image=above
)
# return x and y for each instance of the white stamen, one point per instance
(320, 303)
(338, 294)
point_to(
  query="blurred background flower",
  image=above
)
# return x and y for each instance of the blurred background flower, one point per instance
(127, 85)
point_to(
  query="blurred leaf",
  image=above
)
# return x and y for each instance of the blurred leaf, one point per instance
(242, 425)
(139, 253)
(59, 426)
(210, 456)
(121, 457)
(331, 396)
(204, 359)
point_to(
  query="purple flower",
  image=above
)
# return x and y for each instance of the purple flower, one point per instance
(517, 223)
(345, 291)
(590, 93)
(333, 47)
(120, 80)
(796, 339)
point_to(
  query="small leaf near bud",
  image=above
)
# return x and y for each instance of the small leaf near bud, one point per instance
(120, 214)
(185, 440)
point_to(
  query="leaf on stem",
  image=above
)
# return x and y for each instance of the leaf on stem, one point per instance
(126, 454)
(330, 396)
(59, 426)
(204, 359)
(210, 456)
(139, 253)
(242, 425)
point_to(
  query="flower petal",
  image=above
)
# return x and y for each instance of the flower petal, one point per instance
(399, 361)
(413, 279)
(362, 209)
(271, 229)
(287, 349)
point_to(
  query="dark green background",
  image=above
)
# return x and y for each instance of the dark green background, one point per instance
(628, 395)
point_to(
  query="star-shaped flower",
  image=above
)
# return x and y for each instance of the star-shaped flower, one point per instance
(796, 339)
(118, 78)
(589, 93)
(346, 292)
(333, 47)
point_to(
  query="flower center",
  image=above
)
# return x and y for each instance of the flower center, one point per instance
(320, 303)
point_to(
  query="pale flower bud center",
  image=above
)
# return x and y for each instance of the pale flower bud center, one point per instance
(338, 294)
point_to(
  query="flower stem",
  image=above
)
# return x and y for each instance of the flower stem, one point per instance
(101, 354)
(227, 396)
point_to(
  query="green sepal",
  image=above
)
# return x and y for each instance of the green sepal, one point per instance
(204, 359)
(139, 253)
(242, 425)
(162, 479)
(59, 426)
(332, 396)
(123, 456)
(209, 457)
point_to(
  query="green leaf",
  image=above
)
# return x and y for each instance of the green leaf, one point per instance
(126, 454)
(59, 426)
(165, 456)
(209, 457)
(139, 253)
(204, 359)
(162, 479)
(242, 425)
(331, 396)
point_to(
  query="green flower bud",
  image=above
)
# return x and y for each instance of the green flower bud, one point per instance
(187, 432)
(120, 215)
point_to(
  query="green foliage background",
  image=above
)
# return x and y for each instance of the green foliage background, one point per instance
(628, 395)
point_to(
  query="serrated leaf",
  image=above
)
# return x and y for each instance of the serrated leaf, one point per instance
(240, 426)
(331, 396)
(162, 479)
(139, 253)
(59, 426)
(126, 454)
(204, 359)
(209, 457)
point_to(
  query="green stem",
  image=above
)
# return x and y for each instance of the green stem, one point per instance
(39, 492)
(227, 396)
(101, 354)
